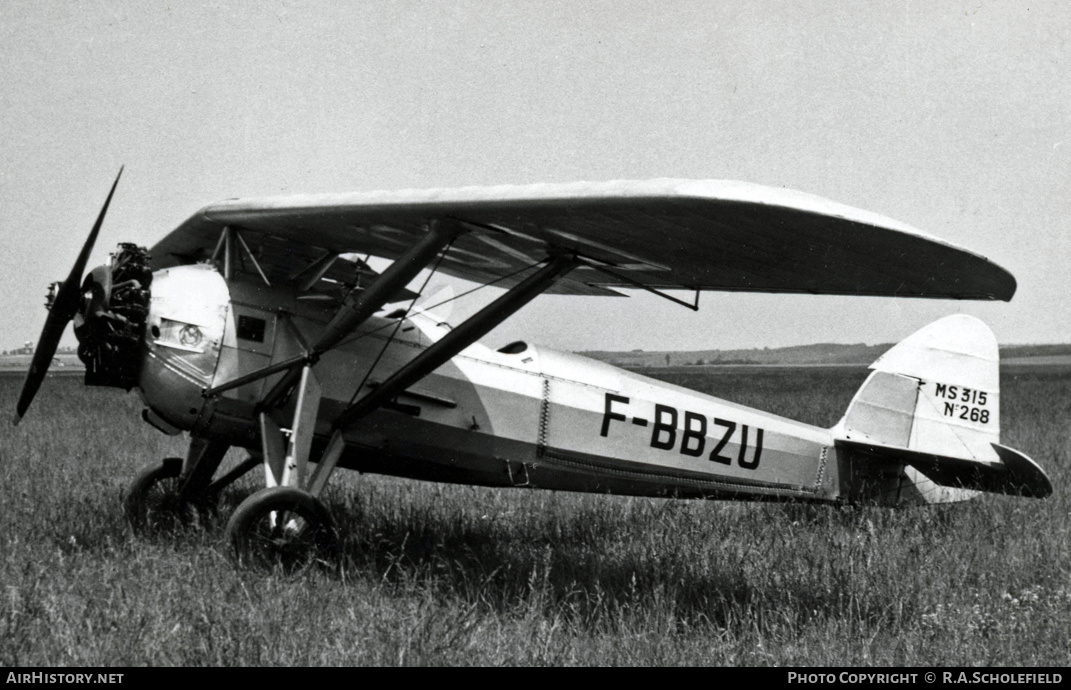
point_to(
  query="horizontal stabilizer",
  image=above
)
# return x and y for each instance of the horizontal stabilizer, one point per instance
(1015, 474)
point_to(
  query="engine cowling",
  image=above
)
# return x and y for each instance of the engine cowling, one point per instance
(160, 332)
(185, 330)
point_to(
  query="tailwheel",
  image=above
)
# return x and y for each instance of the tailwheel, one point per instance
(153, 501)
(282, 527)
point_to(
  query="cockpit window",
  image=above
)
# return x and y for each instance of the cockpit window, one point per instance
(251, 328)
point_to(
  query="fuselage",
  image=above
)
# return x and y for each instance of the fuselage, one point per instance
(519, 416)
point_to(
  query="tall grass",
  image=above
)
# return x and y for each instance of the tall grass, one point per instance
(441, 574)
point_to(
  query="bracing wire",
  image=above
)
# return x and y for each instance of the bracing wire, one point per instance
(399, 323)
(385, 326)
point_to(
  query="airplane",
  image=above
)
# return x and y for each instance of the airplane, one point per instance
(257, 325)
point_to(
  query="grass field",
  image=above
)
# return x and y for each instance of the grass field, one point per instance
(435, 574)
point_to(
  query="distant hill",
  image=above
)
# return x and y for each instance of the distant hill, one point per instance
(821, 353)
(21, 362)
(798, 355)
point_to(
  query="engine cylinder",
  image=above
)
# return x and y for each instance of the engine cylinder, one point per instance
(110, 323)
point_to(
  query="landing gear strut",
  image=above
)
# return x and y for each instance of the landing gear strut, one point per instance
(286, 525)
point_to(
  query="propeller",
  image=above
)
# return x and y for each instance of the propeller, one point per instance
(64, 307)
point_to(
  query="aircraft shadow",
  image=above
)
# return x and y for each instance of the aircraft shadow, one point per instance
(578, 568)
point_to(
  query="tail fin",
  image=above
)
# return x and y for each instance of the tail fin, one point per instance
(926, 424)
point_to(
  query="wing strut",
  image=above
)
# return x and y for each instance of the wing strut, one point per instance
(289, 468)
(353, 314)
(397, 276)
(459, 338)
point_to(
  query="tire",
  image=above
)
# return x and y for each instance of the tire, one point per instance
(152, 503)
(282, 528)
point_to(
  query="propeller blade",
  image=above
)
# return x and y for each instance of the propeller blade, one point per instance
(73, 284)
(64, 307)
(42, 358)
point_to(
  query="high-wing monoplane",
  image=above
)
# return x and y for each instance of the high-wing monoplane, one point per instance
(257, 324)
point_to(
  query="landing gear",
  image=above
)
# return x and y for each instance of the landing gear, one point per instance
(282, 527)
(177, 492)
(153, 502)
(286, 525)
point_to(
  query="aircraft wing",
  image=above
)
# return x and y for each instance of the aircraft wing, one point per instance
(665, 234)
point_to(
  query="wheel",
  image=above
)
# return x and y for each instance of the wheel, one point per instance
(153, 500)
(282, 527)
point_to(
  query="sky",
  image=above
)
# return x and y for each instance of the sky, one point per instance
(953, 117)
